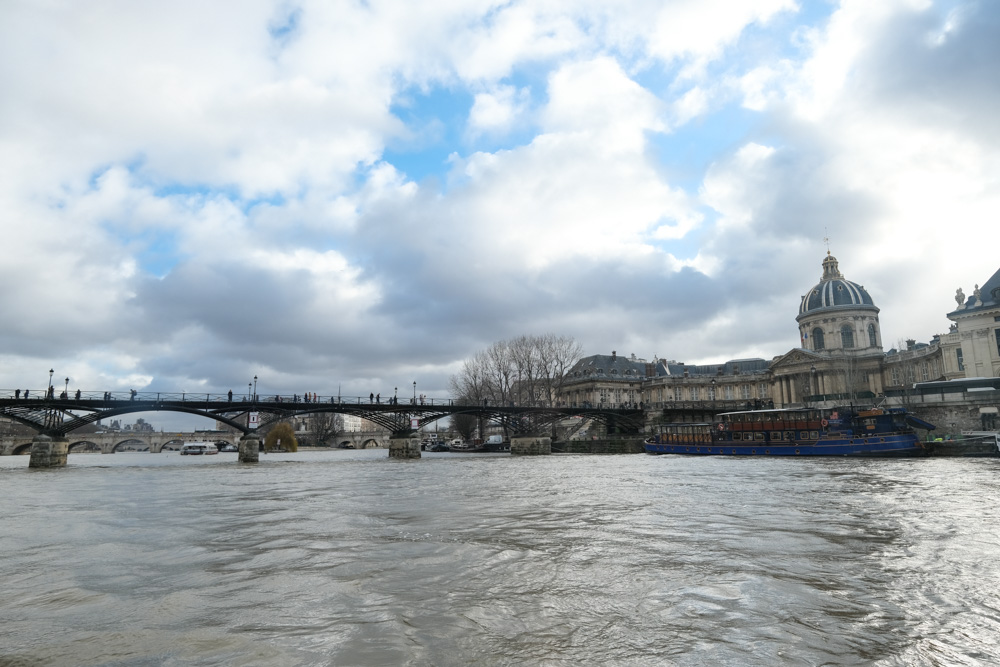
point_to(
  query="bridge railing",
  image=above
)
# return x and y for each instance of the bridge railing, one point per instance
(202, 397)
(298, 400)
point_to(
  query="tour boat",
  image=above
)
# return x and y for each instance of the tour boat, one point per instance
(198, 448)
(797, 432)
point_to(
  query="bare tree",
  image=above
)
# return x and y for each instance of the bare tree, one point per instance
(528, 370)
(325, 426)
(466, 425)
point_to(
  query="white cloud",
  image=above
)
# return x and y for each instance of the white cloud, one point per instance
(163, 167)
(497, 110)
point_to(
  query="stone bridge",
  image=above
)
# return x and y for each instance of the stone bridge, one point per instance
(156, 442)
(121, 441)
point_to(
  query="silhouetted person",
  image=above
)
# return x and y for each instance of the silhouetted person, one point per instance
(378, 398)
(78, 394)
(371, 398)
(25, 393)
(230, 395)
(17, 394)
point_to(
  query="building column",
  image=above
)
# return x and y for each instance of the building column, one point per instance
(47, 452)
(531, 446)
(249, 448)
(404, 447)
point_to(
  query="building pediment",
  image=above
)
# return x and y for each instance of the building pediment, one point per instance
(794, 358)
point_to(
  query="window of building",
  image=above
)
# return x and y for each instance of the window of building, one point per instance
(818, 343)
(677, 394)
(762, 390)
(846, 337)
(961, 363)
(744, 391)
(895, 375)
(695, 394)
(728, 389)
(711, 392)
(872, 341)
(996, 336)
(925, 373)
(910, 375)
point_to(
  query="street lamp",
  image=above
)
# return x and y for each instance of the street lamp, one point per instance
(66, 390)
(249, 391)
(395, 395)
(50, 376)
(255, 387)
(414, 392)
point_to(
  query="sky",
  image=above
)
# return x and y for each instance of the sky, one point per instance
(353, 196)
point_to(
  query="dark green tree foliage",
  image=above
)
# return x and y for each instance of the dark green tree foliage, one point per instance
(281, 435)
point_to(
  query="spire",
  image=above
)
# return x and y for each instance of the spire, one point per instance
(830, 270)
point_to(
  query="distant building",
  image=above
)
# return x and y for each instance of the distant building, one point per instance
(974, 342)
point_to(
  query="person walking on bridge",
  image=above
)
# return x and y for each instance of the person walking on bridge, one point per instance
(230, 395)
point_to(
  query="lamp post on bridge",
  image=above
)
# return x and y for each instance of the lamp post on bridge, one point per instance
(249, 393)
(395, 395)
(50, 382)
(255, 388)
(66, 390)
(414, 392)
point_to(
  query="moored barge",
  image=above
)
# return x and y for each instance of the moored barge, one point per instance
(797, 432)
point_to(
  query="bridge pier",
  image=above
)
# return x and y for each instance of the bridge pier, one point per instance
(249, 448)
(530, 446)
(404, 447)
(47, 452)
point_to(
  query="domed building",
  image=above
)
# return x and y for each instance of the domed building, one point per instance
(837, 314)
(841, 353)
(840, 360)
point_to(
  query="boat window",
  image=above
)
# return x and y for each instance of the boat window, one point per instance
(803, 435)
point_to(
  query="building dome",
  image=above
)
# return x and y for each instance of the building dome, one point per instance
(834, 293)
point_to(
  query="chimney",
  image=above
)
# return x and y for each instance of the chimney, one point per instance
(910, 343)
(614, 355)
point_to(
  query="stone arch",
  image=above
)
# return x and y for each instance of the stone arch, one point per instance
(171, 445)
(21, 449)
(370, 443)
(81, 446)
(134, 443)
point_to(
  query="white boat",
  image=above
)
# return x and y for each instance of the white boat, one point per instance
(198, 448)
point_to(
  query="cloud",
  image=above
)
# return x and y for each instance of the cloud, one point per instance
(192, 196)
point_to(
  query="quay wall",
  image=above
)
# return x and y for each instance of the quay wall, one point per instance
(632, 445)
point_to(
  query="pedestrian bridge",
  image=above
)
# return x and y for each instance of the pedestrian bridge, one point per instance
(59, 416)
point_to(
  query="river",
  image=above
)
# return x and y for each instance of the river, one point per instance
(349, 558)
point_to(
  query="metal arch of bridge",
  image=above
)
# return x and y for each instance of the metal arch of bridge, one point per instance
(58, 416)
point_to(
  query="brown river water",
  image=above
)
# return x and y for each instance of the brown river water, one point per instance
(349, 558)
